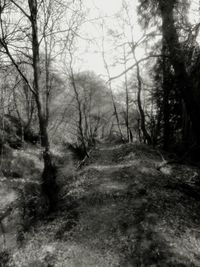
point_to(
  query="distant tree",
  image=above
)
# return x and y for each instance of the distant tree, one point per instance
(115, 109)
(127, 44)
(92, 108)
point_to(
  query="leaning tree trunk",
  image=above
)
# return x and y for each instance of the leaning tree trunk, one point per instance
(49, 186)
(190, 94)
(146, 135)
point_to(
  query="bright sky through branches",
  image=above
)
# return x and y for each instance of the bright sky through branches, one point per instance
(107, 11)
(110, 14)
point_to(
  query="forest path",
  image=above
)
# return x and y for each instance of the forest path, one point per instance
(126, 217)
(118, 211)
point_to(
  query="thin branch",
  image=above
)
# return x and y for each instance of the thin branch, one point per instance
(134, 65)
(16, 66)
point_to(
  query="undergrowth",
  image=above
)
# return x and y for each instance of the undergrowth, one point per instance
(118, 210)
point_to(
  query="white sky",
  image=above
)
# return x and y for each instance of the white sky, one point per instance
(107, 7)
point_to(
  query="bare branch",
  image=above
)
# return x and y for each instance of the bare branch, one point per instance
(134, 65)
(21, 9)
(16, 66)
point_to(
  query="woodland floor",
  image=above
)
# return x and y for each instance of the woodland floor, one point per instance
(119, 210)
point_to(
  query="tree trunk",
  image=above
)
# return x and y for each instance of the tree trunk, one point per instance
(80, 115)
(111, 92)
(190, 94)
(146, 135)
(127, 96)
(166, 91)
(49, 185)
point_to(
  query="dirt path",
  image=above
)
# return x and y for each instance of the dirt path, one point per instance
(127, 215)
(118, 212)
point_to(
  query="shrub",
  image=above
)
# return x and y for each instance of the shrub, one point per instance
(33, 206)
(4, 258)
(76, 149)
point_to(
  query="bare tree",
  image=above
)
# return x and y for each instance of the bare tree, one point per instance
(29, 12)
(116, 114)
